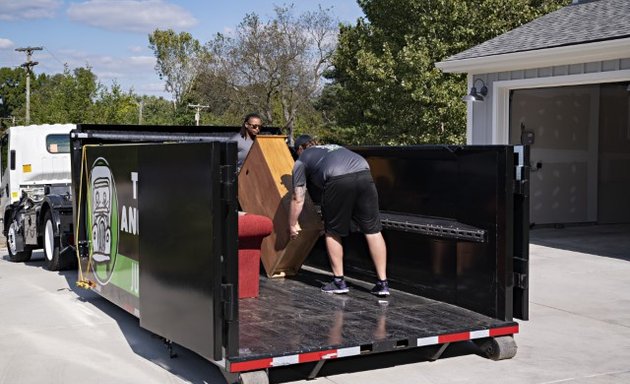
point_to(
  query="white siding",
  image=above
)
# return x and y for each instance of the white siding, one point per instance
(482, 113)
(566, 189)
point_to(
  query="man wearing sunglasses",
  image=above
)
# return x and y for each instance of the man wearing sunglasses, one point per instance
(252, 124)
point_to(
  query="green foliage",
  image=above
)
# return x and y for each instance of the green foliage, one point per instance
(386, 88)
(64, 98)
(76, 97)
(12, 85)
(115, 107)
(384, 85)
(180, 59)
(157, 110)
(271, 67)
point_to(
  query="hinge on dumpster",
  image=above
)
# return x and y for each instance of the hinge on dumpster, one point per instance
(227, 297)
(520, 187)
(520, 280)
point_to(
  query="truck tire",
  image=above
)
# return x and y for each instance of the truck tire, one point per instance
(254, 377)
(53, 258)
(12, 239)
(498, 348)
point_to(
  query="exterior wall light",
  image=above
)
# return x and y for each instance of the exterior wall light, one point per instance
(475, 95)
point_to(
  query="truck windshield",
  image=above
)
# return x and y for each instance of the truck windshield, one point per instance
(58, 143)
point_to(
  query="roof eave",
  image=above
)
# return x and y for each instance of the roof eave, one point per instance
(540, 58)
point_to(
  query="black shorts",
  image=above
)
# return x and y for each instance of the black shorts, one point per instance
(351, 197)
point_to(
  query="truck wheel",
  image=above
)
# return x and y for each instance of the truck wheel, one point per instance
(12, 240)
(498, 348)
(254, 377)
(54, 261)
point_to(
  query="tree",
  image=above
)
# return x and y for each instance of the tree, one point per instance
(12, 94)
(273, 67)
(115, 107)
(65, 97)
(180, 58)
(157, 110)
(385, 87)
(77, 97)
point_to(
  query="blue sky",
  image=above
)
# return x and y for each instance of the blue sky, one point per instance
(111, 35)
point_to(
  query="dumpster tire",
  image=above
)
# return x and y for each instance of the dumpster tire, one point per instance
(254, 377)
(498, 348)
(14, 255)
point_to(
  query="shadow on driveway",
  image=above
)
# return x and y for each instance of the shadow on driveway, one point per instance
(599, 240)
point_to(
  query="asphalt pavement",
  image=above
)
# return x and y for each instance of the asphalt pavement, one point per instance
(578, 332)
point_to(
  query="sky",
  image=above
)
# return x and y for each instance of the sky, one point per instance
(111, 36)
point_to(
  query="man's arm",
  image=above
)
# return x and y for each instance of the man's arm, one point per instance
(297, 203)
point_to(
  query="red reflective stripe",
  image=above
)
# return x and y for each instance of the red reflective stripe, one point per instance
(316, 356)
(504, 331)
(453, 337)
(251, 365)
(332, 353)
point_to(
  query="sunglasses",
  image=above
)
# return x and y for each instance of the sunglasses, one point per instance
(255, 125)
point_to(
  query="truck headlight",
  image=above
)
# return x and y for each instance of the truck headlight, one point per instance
(35, 193)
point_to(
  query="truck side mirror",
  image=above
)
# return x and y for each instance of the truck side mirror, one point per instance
(12, 160)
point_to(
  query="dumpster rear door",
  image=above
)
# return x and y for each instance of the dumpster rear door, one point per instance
(187, 226)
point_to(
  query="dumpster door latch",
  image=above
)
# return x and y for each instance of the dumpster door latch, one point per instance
(227, 297)
(520, 280)
(521, 187)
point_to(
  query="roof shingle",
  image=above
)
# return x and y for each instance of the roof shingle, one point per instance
(585, 22)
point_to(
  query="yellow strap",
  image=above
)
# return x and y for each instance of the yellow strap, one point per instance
(82, 282)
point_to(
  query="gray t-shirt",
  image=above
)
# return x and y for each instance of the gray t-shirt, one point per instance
(244, 144)
(319, 163)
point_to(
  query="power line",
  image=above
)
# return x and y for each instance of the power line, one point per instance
(54, 57)
(28, 65)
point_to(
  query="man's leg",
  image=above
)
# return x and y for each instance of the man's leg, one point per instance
(378, 251)
(335, 253)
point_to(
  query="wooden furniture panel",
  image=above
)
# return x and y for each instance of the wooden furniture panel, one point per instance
(264, 188)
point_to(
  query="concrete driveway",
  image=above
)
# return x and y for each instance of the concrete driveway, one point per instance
(579, 332)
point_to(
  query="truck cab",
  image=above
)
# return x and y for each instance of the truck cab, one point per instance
(35, 190)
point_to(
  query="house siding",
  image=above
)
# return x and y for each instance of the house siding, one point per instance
(481, 130)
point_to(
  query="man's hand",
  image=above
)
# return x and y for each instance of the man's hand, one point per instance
(294, 231)
(297, 202)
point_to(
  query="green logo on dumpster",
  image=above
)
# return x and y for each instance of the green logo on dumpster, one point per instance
(102, 220)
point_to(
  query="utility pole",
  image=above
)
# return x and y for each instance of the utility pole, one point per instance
(28, 65)
(198, 109)
(140, 104)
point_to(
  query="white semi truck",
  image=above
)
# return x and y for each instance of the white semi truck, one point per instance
(36, 196)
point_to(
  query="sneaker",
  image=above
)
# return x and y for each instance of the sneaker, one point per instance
(381, 288)
(336, 286)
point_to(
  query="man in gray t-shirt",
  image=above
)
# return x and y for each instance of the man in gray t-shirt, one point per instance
(339, 180)
(323, 162)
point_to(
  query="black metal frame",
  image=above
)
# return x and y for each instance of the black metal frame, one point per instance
(224, 274)
(453, 223)
(455, 219)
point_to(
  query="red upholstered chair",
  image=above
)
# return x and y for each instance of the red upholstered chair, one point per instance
(252, 229)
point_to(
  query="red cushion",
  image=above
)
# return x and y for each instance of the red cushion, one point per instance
(252, 229)
(250, 225)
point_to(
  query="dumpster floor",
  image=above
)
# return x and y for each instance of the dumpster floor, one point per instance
(292, 315)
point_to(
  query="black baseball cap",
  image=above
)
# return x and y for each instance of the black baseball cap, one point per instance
(301, 140)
